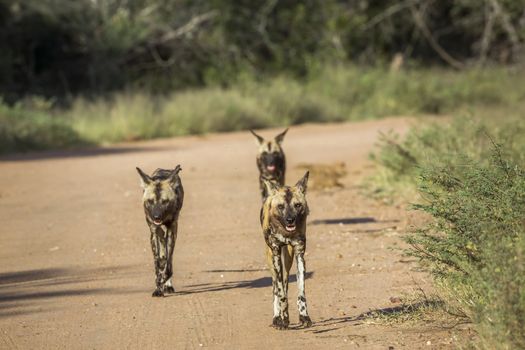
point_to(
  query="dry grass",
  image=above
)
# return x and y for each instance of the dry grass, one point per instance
(328, 94)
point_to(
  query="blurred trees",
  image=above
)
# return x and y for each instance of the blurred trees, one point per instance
(63, 47)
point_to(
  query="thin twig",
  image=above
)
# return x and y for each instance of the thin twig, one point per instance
(420, 23)
(487, 35)
(402, 151)
(263, 22)
(499, 154)
(159, 60)
(507, 25)
(171, 35)
(389, 12)
(187, 28)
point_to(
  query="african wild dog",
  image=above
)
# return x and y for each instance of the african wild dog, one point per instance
(270, 161)
(162, 199)
(283, 220)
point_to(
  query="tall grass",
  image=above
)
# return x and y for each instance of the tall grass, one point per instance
(25, 130)
(328, 94)
(473, 187)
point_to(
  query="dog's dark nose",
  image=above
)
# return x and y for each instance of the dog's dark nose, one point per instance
(156, 217)
(290, 220)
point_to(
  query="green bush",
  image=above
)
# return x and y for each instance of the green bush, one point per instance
(475, 247)
(474, 191)
(400, 161)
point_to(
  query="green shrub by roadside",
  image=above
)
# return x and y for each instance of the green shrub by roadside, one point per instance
(474, 191)
(444, 142)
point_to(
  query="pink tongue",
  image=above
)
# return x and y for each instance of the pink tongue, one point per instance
(271, 167)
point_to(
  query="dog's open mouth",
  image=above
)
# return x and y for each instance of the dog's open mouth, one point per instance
(290, 228)
(270, 167)
(157, 222)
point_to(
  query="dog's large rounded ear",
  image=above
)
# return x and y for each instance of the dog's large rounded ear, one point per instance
(260, 139)
(144, 178)
(279, 138)
(271, 187)
(173, 177)
(302, 184)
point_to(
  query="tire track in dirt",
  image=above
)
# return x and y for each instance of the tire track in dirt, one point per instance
(8, 341)
(198, 323)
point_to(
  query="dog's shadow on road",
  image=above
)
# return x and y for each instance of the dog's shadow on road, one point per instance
(86, 151)
(215, 287)
(358, 221)
(335, 323)
(350, 221)
(30, 291)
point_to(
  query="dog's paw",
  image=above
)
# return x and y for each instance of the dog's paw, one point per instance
(169, 290)
(305, 321)
(157, 293)
(280, 323)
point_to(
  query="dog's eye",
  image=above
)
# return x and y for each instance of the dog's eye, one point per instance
(280, 206)
(165, 201)
(150, 201)
(298, 205)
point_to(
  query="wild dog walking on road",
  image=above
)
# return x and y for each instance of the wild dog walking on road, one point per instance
(271, 161)
(162, 198)
(283, 220)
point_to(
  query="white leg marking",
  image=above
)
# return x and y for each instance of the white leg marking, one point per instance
(275, 305)
(169, 282)
(301, 298)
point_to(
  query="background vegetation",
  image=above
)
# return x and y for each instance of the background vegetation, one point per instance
(96, 71)
(60, 48)
(328, 94)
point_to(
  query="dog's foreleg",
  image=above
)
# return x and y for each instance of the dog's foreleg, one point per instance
(269, 260)
(304, 319)
(155, 248)
(282, 320)
(262, 187)
(287, 259)
(170, 247)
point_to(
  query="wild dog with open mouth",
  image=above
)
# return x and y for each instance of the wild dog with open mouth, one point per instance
(162, 198)
(271, 161)
(283, 220)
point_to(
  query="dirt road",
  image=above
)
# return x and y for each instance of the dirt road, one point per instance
(76, 270)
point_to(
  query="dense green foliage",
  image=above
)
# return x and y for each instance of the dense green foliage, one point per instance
(62, 48)
(474, 190)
